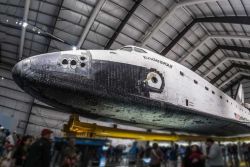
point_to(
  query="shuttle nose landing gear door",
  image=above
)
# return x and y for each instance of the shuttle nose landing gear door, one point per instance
(153, 82)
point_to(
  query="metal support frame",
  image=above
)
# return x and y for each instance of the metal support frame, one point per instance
(232, 77)
(204, 59)
(25, 19)
(235, 83)
(207, 38)
(228, 19)
(225, 60)
(227, 70)
(176, 39)
(224, 47)
(82, 129)
(54, 27)
(156, 27)
(44, 34)
(90, 22)
(232, 92)
(123, 23)
(28, 117)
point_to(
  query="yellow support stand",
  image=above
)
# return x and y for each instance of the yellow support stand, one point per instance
(81, 129)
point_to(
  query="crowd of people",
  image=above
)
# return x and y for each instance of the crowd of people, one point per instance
(211, 154)
(27, 151)
(191, 156)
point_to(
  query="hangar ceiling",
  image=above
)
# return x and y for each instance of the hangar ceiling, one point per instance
(210, 37)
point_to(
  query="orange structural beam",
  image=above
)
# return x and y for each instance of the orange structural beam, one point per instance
(81, 129)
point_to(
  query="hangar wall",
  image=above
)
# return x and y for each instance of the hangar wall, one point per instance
(17, 108)
(14, 103)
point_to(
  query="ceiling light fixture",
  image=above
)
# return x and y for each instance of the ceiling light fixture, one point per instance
(25, 24)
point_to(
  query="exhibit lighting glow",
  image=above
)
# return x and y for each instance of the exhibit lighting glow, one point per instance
(39, 32)
(20, 23)
(25, 24)
(7, 20)
(16, 22)
(105, 148)
(74, 48)
(2, 78)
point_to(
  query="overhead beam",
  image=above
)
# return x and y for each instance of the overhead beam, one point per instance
(235, 83)
(224, 47)
(225, 60)
(156, 27)
(90, 22)
(209, 37)
(234, 76)
(204, 59)
(54, 26)
(25, 20)
(123, 23)
(228, 19)
(222, 74)
(229, 69)
(42, 33)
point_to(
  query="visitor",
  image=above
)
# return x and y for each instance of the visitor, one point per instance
(70, 154)
(214, 154)
(20, 155)
(156, 156)
(2, 140)
(196, 158)
(173, 156)
(39, 153)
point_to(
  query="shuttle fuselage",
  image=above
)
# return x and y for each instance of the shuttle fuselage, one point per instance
(131, 85)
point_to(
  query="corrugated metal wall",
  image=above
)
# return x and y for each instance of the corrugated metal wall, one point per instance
(14, 103)
(17, 108)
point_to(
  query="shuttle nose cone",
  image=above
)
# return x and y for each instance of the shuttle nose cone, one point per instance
(20, 71)
(16, 71)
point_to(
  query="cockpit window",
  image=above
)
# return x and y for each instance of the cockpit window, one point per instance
(129, 49)
(139, 50)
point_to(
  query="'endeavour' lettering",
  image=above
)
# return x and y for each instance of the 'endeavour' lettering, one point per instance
(158, 61)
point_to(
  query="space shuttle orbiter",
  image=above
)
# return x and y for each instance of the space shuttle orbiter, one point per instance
(134, 86)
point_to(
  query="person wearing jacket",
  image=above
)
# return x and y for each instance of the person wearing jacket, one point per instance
(214, 154)
(39, 153)
(195, 158)
(156, 156)
(20, 155)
